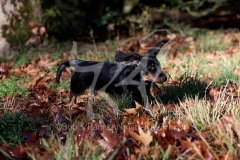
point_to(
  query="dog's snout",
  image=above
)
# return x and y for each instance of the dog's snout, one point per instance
(163, 77)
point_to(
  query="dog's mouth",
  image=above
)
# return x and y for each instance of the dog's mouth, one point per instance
(159, 79)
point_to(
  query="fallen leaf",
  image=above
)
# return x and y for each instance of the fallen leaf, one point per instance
(237, 71)
(226, 157)
(34, 81)
(205, 134)
(18, 151)
(180, 135)
(133, 111)
(46, 62)
(111, 137)
(30, 136)
(4, 149)
(105, 144)
(145, 138)
(164, 137)
(227, 119)
(42, 81)
(33, 71)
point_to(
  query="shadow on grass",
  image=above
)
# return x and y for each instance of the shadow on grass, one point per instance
(12, 126)
(186, 86)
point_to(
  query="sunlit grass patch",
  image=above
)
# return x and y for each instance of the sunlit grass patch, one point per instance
(99, 56)
(219, 67)
(227, 69)
(14, 85)
(65, 84)
(220, 119)
(70, 149)
(212, 41)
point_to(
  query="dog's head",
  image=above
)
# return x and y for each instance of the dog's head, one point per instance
(149, 65)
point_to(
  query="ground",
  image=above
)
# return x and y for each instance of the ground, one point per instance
(197, 117)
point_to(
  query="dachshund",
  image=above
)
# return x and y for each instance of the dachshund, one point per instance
(133, 79)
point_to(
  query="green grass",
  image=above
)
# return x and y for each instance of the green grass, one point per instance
(71, 148)
(226, 69)
(102, 104)
(206, 43)
(65, 84)
(201, 114)
(186, 93)
(226, 75)
(100, 55)
(14, 85)
(122, 101)
(188, 86)
(220, 67)
(12, 125)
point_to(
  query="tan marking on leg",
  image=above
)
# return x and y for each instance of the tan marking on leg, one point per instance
(73, 103)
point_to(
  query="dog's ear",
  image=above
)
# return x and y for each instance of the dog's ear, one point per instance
(154, 51)
(122, 56)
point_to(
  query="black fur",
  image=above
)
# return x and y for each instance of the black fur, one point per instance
(113, 78)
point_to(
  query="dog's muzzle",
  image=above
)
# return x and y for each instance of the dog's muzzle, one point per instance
(163, 77)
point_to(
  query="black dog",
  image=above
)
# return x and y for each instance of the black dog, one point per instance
(127, 58)
(134, 58)
(114, 78)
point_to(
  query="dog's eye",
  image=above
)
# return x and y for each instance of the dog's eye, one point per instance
(151, 67)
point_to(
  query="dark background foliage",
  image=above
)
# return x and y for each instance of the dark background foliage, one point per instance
(85, 19)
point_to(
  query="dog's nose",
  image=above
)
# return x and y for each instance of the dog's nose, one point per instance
(163, 77)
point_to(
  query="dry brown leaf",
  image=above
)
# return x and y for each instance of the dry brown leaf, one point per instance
(34, 81)
(205, 134)
(18, 151)
(47, 62)
(110, 141)
(214, 92)
(133, 111)
(105, 144)
(183, 126)
(226, 119)
(164, 137)
(3, 148)
(111, 137)
(237, 71)
(17, 70)
(226, 157)
(188, 148)
(182, 135)
(130, 111)
(145, 138)
(208, 155)
(33, 71)
(42, 81)
(29, 136)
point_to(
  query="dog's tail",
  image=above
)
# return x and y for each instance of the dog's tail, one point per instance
(60, 69)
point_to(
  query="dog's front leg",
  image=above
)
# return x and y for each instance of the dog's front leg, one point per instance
(73, 100)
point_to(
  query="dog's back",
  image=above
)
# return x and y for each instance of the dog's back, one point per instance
(115, 78)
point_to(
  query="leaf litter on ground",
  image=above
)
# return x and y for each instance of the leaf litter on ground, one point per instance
(132, 133)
